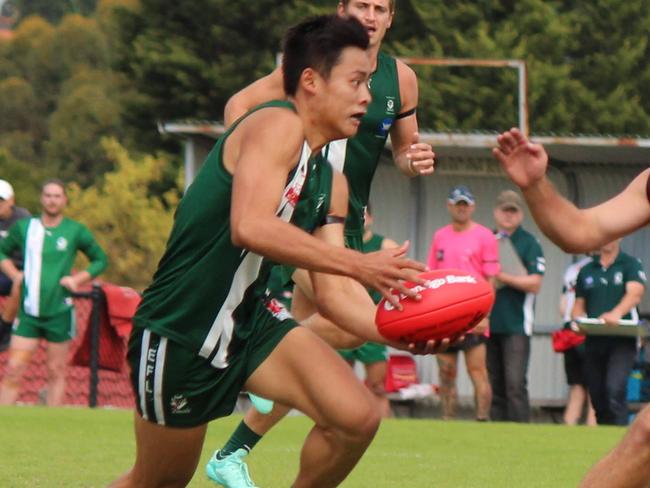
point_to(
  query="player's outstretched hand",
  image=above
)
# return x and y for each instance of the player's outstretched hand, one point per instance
(524, 162)
(388, 269)
(421, 156)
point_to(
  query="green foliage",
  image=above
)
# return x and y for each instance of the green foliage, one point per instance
(54, 10)
(129, 222)
(88, 109)
(79, 70)
(25, 179)
(186, 58)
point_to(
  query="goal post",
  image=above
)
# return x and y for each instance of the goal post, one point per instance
(518, 64)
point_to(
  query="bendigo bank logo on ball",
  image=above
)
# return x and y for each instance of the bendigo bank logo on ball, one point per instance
(435, 284)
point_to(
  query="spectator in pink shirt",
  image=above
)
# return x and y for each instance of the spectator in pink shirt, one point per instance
(468, 246)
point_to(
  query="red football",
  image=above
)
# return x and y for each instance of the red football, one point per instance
(453, 302)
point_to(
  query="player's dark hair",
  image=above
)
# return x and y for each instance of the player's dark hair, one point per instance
(54, 181)
(317, 43)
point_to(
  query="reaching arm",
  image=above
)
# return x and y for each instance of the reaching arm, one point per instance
(260, 172)
(411, 156)
(263, 90)
(574, 230)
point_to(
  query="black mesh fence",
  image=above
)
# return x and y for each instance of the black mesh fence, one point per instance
(85, 385)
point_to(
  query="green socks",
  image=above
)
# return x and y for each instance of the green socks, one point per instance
(242, 438)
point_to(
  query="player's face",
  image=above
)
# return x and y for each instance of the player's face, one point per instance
(53, 200)
(375, 15)
(508, 219)
(460, 212)
(345, 96)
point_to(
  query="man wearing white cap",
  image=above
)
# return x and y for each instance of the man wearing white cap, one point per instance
(9, 214)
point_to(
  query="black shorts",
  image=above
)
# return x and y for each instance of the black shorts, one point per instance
(469, 342)
(574, 360)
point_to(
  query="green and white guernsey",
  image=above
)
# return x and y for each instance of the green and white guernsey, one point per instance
(358, 156)
(49, 255)
(206, 288)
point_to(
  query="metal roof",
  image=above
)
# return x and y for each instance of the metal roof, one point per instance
(571, 149)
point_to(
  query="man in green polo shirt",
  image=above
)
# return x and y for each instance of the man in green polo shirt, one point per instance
(609, 287)
(511, 320)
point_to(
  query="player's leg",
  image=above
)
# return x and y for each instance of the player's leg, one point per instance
(447, 372)
(475, 362)
(227, 465)
(375, 381)
(577, 393)
(24, 342)
(177, 394)
(306, 373)
(59, 331)
(374, 358)
(165, 457)
(628, 464)
(57, 356)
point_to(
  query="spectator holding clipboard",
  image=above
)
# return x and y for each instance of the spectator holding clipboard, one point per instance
(511, 321)
(609, 288)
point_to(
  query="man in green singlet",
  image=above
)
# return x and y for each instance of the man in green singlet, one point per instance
(394, 90)
(208, 325)
(49, 243)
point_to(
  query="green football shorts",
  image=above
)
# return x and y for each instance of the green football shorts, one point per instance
(174, 386)
(369, 353)
(58, 328)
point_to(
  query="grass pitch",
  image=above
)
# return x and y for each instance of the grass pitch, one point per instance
(69, 448)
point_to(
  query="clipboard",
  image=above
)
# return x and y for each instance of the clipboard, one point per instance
(509, 260)
(626, 328)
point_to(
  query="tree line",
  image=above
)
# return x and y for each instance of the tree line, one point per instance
(81, 78)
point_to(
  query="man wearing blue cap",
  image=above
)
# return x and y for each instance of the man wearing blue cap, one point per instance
(468, 246)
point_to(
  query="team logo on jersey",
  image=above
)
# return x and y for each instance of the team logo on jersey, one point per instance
(618, 278)
(384, 127)
(61, 244)
(179, 404)
(390, 105)
(589, 281)
(603, 281)
(278, 310)
(293, 192)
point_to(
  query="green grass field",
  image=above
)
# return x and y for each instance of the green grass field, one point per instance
(68, 448)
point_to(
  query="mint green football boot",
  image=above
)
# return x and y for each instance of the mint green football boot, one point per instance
(231, 471)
